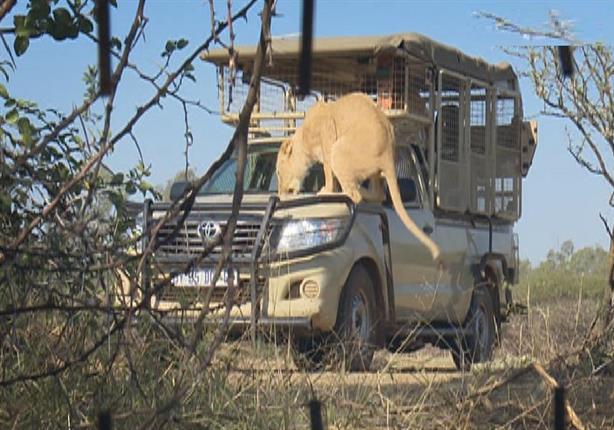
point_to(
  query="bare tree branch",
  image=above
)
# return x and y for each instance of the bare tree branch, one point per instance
(105, 147)
(5, 7)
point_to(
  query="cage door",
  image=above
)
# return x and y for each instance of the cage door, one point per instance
(451, 157)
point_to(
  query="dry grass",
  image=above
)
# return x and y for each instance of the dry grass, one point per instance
(423, 390)
(261, 388)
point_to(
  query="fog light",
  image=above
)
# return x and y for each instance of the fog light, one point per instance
(310, 289)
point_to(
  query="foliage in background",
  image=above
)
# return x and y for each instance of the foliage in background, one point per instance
(565, 273)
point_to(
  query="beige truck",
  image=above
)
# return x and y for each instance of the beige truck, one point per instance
(338, 280)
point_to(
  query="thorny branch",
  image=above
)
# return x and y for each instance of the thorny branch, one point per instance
(238, 143)
(181, 205)
(9, 252)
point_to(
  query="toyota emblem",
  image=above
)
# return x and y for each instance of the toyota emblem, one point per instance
(209, 231)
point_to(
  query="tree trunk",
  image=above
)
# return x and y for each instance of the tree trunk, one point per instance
(608, 299)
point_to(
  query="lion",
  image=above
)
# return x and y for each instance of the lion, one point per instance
(354, 141)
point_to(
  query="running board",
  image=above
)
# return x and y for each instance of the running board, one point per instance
(412, 334)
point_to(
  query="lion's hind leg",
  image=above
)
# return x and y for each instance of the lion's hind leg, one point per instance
(345, 169)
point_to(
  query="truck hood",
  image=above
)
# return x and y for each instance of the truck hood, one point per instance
(227, 198)
(304, 211)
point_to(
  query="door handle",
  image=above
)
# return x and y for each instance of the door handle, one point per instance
(428, 229)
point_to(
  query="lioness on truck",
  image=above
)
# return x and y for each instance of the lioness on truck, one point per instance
(354, 141)
(338, 277)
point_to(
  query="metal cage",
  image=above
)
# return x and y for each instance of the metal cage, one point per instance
(464, 113)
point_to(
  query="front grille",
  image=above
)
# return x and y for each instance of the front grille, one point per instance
(199, 294)
(188, 242)
(191, 295)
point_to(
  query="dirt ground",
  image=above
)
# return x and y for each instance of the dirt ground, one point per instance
(415, 390)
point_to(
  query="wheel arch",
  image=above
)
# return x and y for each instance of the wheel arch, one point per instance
(381, 292)
(491, 274)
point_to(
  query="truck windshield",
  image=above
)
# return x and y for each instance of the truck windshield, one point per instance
(260, 174)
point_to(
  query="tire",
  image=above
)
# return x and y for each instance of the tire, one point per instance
(492, 285)
(478, 344)
(355, 332)
(352, 343)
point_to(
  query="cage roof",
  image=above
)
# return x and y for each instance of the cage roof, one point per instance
(287, 50)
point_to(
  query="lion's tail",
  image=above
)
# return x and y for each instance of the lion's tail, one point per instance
(395, 195)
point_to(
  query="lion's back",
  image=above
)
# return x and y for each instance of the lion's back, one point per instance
(357, 117)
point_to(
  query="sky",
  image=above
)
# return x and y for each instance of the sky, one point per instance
(560, 201)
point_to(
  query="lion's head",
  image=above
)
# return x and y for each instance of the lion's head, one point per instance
(292, 165)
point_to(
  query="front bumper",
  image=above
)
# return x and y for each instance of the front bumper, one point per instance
(328, 269)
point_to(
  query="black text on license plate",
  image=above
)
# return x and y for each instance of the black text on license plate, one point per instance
(203, 278)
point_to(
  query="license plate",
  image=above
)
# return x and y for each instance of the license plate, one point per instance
(203, 278)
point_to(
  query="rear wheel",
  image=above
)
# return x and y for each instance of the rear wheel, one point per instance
(478, 343)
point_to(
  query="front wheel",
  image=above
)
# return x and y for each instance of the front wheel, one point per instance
(352, 342)
(355, 333)
(478, 344)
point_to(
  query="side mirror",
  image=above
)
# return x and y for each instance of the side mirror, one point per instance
(407, 188)
(177, 189)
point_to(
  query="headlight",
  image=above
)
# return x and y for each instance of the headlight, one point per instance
(298, 235)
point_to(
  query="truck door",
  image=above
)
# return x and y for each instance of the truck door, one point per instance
(414, 272)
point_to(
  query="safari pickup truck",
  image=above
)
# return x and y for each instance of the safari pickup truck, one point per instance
(338, 280)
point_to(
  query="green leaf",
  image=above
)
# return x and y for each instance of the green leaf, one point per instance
(145, 186)
(12, 116)
(3, 92)
(116, 43)
(63, 26)
(117, 179)
(73, 31)
(40, 9)
(130, 188)
(21, 45)
(26, 129)
(182, 43)
(117, 199)
(85, 25)
(19, 21)
(25, 104)
(48, 25)
(170, 46)
(24, 125)
(62, 15)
